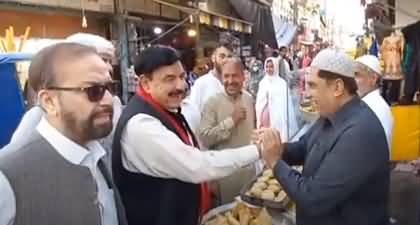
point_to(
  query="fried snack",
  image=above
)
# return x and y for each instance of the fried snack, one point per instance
(219, 220)
(268, 195)
(255, 212)
(231, 220)
(256, 192)
(238, 207)
(260, 185)
(263, 179)
(280, 197)
(253, 222)
(273, 181)
(244, 214)
(267, 173)
(275, 188)
(264, 218)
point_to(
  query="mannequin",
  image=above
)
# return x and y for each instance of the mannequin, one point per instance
(392, 53)
(392, 49)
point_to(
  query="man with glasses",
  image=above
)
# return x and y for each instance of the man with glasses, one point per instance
(31, 118)
(58, 175)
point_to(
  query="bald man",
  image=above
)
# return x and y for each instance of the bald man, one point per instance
(228, 121)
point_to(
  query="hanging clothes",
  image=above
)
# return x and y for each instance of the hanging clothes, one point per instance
(374, 48)
(412, 76)
(274, 106)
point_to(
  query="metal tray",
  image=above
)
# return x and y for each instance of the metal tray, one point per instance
(262, 202)
(279, 218)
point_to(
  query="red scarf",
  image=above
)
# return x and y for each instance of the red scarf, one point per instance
(205, 197)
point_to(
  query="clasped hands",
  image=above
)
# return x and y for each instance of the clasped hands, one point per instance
(269, 144)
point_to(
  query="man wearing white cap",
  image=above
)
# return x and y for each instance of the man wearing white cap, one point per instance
(368, 77)
(345, 177)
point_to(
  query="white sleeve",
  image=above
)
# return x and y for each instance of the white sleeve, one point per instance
(152, 149)
(28, 124)
(7, 202)
(195, 95)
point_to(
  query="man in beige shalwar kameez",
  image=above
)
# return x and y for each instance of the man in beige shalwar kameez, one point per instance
(228, 120)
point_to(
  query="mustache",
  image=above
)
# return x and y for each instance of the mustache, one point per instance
(104, 109)
(176, 92)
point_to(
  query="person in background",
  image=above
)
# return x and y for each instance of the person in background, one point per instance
(189, 60)
(228, 121)
(284, 65)
(274, 108)
(307, 58)
(157, 164)
(346, 175)
(368, 79)
(211, 84)
(201, 67)
(58, 173)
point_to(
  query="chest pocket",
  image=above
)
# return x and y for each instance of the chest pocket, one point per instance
(320, 148)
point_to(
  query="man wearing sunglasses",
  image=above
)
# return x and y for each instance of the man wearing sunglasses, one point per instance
(157, 164)
(58, 175)
(106, 50)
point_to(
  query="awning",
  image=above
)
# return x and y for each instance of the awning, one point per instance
(225, 22)
(284, 30)
(211, 18)
(260, 16)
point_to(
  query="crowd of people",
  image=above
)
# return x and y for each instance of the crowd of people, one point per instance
(183, 145)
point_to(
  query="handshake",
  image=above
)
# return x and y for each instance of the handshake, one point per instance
(269, 144)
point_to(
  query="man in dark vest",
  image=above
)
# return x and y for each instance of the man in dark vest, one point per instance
(157, 164)
(58, 175)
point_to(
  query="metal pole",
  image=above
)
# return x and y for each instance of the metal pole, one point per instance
(123, 42)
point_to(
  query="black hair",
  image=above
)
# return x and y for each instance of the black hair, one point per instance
(283, 48)
(153, 58)
(349, 83)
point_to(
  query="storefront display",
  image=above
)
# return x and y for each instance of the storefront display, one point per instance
(411, 62)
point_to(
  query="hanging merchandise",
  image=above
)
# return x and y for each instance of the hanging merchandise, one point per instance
(374, 48)
(392, 52)
(412, 62)
(361, 48)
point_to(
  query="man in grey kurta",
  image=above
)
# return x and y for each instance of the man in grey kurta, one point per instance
(228, 121)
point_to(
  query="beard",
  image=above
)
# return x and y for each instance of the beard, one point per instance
(86, 128)
(218, 66)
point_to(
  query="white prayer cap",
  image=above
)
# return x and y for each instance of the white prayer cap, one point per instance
(335, 61)
(371, 62)
(92, 40)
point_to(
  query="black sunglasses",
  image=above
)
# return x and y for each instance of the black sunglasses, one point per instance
(94, 92)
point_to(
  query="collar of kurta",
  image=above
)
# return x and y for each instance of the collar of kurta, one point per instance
(205, 198)
(346, 111)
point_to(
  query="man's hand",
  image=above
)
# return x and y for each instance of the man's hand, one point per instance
(272, 147)
(239, 114)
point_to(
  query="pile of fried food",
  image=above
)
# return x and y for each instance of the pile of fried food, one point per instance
(267, 187)
(242, 215)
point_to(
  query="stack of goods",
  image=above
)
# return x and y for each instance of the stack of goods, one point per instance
(241, 214)
(266, 187)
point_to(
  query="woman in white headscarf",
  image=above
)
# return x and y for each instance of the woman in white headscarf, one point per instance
(274, 107)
